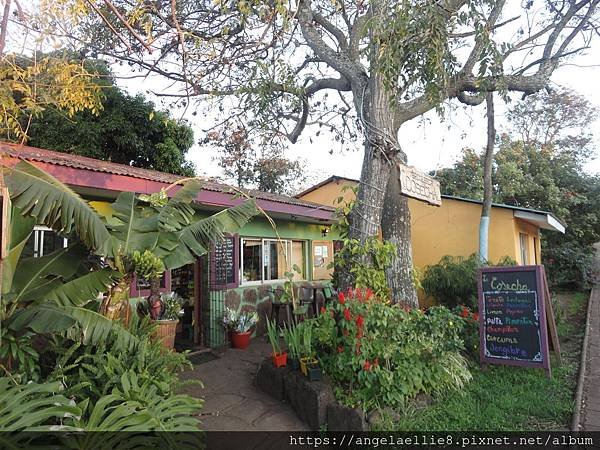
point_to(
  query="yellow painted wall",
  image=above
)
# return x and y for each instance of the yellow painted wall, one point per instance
(328, 193)
(451, 229)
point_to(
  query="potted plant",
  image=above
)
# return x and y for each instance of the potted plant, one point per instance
(166, 321)
(279, 357)
(240, 326)
(291, 336)
(309, 365)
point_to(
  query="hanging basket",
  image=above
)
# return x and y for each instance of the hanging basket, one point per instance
(165, 332)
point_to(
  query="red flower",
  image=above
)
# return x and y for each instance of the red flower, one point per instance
(475, 317)
(347, 314)
(360, 321)
(359, 333)
(359, 293)
(368, 294)
(367, 365)
(464, 313)
(342, 298)
(323, 310)
(340, 349)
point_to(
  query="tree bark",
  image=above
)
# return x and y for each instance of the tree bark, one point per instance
(381, 144)
(116, 304)
(395, 227)
(486, 208)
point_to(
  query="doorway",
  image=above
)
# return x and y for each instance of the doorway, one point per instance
(183, 284)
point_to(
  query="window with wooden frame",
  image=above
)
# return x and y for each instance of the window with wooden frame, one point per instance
(265, 260)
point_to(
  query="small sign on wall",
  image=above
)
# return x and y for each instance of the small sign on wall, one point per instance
(419, 186)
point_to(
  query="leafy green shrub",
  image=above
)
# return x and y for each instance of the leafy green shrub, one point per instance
(366, 262)
(469, 330)
(32, 406)
(18, 353)
(569, 265)
(381, 355)
(93, 371)
(453, 280)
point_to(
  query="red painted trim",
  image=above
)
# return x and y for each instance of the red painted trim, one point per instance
(146, 292)
(123, 183)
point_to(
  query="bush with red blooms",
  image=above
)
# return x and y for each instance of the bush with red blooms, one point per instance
(470, 330)
(379, 354)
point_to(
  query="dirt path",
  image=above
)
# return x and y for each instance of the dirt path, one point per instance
(232, 401)
(590, 408)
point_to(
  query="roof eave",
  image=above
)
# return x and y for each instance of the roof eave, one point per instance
(546, 221)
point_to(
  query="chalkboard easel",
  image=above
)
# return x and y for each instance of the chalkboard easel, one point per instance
(516, 317)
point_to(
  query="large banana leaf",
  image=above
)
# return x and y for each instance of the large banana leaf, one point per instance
(137, 228)
(21, 228)
(182, 247)
(52, 203)
(80, 291)
(52, 318)
(178, 211)
(36, 277)
(32, 406)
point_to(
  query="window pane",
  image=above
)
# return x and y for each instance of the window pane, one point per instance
(52, 242)
(275, 259)
(251, 259)
(30, 250)
(298, 259)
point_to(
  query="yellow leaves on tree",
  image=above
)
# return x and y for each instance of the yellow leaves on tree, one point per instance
(27, 88)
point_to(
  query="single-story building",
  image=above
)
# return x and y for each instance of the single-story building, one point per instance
(453, 227)
(240, 272)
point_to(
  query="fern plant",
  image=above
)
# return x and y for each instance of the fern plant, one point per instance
(34, 407)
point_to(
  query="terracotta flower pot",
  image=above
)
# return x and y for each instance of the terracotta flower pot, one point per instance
(279, 359)
(165, 332)
(240, 340)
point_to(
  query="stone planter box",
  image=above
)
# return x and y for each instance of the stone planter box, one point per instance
(270, 379)
(343, 418)
(308, 398)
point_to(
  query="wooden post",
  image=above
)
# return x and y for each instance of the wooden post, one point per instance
(550, 319)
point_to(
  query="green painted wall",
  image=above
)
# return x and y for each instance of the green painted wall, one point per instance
(261, 227)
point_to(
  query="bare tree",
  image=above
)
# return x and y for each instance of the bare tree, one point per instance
(350, 66)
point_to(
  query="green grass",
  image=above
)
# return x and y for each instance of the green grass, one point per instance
(507, 398)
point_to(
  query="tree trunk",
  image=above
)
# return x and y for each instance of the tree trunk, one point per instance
(381, 145)
(395, 227)
(486, 208)
(116, 304)
(154, 298)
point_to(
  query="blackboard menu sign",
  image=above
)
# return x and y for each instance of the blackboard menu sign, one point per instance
(224, 262)
(512, 316)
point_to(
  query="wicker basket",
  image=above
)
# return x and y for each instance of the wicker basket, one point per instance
(165, 331)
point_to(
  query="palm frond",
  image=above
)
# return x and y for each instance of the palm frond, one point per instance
(195, 239)
(21, 228)
(52, 318)
(80, 291)
(178, 211)
(35, 277)
(52, 203)
(31, 406)
(135, 231)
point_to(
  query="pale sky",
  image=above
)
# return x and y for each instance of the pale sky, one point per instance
(430, 141)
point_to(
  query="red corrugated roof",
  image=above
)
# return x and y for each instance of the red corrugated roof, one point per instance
(82, 162)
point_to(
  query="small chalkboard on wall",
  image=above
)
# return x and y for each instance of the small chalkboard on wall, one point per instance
(515, 317)
(224, 262)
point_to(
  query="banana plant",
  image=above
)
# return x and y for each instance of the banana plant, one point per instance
(170, 228)
(53, 293)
